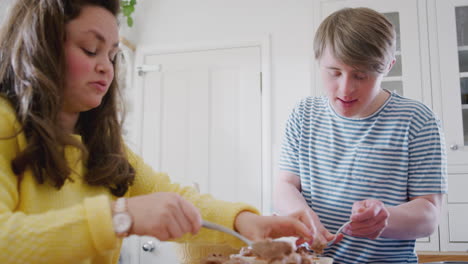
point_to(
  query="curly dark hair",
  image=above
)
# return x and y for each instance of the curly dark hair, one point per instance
(32, 70)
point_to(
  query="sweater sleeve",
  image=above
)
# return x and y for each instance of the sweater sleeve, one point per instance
(69, 234)
(211, 209)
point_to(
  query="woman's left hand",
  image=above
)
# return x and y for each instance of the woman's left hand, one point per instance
(369, 219)
(258, 227)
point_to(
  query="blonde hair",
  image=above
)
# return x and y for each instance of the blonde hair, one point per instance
(359, 37)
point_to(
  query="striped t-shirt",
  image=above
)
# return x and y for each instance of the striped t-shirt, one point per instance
(395, 154)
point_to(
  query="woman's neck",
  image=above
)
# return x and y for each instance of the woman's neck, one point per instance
(68, 121)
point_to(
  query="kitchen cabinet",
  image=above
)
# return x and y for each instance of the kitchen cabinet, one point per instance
(452, 81)
(452, 25)
(432, 67)
(146, 250)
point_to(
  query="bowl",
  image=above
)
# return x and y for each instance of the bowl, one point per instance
(193, 253)
(253, 260)
(324, 260)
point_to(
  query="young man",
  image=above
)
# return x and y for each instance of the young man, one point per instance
(361, 153)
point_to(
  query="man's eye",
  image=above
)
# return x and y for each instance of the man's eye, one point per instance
(335, 74)
(361, 77)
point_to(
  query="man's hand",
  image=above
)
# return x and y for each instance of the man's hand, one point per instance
(369, 219)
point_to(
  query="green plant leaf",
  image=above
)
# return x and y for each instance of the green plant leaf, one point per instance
(128, 8)
(130, 21)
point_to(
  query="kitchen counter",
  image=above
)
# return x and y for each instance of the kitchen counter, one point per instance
(431, 256)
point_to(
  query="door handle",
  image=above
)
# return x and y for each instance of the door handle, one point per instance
(149, 246)
(454, 147)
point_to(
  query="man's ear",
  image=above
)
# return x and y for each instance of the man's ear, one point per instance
(390, 66)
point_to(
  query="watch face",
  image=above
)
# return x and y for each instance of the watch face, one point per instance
(122, 222)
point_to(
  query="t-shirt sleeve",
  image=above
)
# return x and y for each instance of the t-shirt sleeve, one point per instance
(427, 171)
(289, 157)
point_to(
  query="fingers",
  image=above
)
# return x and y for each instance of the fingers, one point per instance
(172, 220)
(339, 237)
(367, 209)
(186, 218)
(192, 215)
(301, 241)
(362, 211)
(328, 236)
(319, 234)
(301, 229)
(306, 218)
(366, 230)
(369, 219)
(176, 229)
(318, 241)
(163, 215)
(163, 235)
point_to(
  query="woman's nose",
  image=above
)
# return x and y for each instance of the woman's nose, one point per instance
(104, 66)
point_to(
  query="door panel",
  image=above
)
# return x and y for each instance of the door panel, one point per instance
(202, 123)
(202, 120)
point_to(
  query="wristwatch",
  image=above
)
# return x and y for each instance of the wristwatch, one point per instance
(121, 218)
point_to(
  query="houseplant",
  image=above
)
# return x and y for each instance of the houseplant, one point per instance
(128, 7)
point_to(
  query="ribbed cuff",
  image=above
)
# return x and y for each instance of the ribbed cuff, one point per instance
(99, 217)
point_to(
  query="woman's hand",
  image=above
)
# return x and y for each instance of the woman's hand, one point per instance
(320, 234)
(257, 227)
(163, 215)
(369, 219)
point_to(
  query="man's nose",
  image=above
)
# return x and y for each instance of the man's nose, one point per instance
(347, 86)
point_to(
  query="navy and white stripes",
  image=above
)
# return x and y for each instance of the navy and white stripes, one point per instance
(393, 155)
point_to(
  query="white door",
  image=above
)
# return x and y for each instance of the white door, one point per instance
(202, 123)
(202, 120)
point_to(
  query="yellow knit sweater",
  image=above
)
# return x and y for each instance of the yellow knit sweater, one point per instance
(40, 224)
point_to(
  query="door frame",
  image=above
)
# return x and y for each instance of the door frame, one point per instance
(264, 43)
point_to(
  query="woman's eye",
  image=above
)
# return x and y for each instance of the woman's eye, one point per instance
(89, 53)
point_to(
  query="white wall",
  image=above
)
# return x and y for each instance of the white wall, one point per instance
(176, 23)
(4, 5)
(179, 23)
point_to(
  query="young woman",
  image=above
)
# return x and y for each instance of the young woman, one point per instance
(69, 187)
(362, 154)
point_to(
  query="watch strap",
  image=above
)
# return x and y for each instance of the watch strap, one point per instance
(121, 216)
(120, 205)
